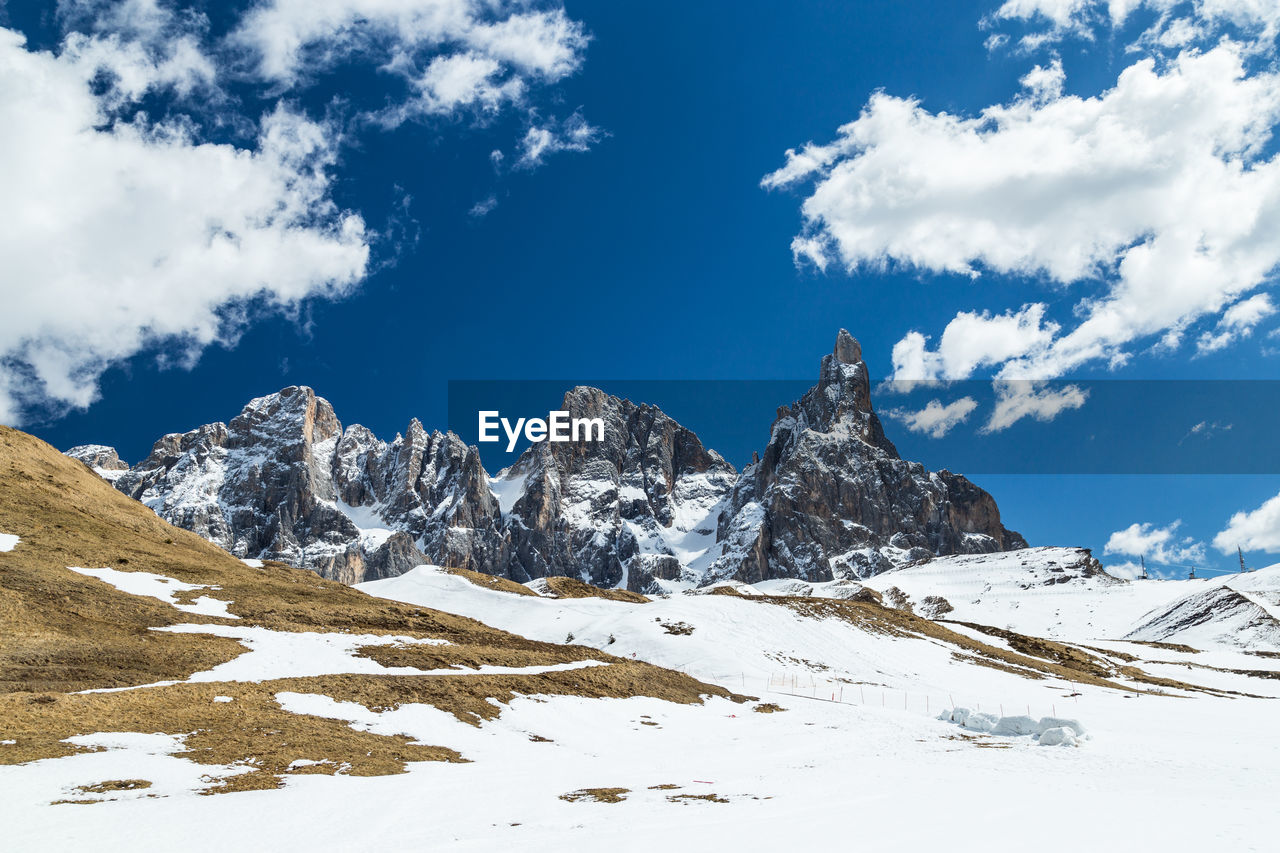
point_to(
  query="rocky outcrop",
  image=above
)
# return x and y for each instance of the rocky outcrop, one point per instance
(104, 461)
(645, 506)
(830, 497)
(639, 505)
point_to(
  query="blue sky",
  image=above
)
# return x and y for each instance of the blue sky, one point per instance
(646, 247)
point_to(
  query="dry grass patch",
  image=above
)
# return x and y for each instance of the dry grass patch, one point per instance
(686, 798)
(492, 582)
(574, 588)
(1172, 647)
(768, 708)
(596, 795)
(113, 785)
(254, 731)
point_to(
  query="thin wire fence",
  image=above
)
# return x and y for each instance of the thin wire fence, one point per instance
(806, 686)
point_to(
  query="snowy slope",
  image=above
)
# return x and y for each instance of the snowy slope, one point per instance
(1044, 592)
(1241, 610)
(744, 643)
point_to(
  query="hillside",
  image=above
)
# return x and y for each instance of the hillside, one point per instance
(147, 668)
(205, 643)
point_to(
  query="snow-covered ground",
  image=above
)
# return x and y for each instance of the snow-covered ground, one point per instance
(876, 769)
(162, 588)
(8, 541)
(1157, 774)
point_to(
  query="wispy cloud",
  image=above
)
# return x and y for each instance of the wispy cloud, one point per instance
(935, 419)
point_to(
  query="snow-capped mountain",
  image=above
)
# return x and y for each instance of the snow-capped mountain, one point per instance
(104, 461)
(831, 498)
(640, 505)
(647, 506)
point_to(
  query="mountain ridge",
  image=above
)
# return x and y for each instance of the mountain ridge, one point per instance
(648, 508)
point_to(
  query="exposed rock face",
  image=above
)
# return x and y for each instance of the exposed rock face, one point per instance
(104, 460)
(639, 505)
(828, 498)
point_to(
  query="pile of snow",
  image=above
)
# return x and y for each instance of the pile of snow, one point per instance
(1048, 731)
(8, 541)
(162, 588)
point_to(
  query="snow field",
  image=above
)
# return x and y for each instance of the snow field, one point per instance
(162, 588)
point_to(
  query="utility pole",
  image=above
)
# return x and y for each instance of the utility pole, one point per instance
(1241, 555)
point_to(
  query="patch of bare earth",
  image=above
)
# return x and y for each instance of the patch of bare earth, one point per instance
(596, 795)
(687, 798)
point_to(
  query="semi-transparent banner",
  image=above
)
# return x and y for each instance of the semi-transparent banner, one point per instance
(973, 427)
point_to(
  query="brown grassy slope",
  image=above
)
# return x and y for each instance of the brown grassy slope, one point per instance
(492, 582)
(574, 588)
(65, 632)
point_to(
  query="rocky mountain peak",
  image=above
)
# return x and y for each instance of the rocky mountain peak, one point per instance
(104, 461)
(645, 505)
(830, 497)
(294, 414)
(848, 350)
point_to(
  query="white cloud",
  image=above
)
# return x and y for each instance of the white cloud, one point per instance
(453, 54)
(483, 207)
(1158, 544)
(1018, 399)
(1237, 322)
(1206, 430)
(1256, 530)
(573, 134)
(1176, 22)
(1129, 570)
(1161, 194)
(117, 236)
(935, 419)
(971, 341)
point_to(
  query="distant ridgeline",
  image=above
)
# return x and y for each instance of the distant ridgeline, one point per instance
(646, 507)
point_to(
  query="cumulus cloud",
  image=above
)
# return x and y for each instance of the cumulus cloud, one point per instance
(453, 54)
(1156, 201)
(935, 419)
(119, 235)
(1175, 23)
(1255, 530)
(1237, 322)
(122, 233)
(1157, 544)
(971, 341)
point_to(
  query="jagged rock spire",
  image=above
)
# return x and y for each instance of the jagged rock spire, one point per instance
(848, 350)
